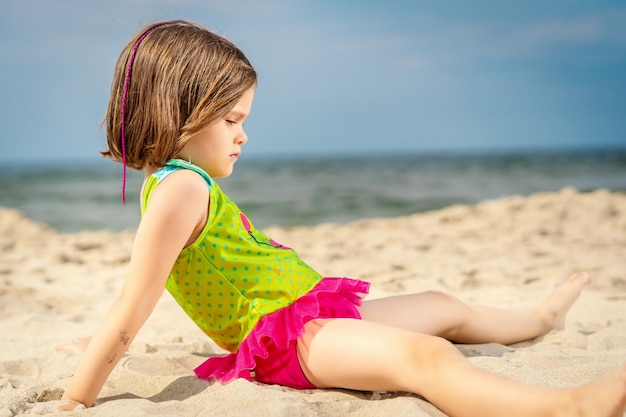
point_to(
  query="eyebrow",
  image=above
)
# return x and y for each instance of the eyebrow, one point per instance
(238, 114)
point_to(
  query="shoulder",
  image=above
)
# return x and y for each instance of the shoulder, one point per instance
(183, 190)
(175, 210)
(184, 181)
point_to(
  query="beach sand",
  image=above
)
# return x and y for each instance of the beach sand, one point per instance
(509, 252)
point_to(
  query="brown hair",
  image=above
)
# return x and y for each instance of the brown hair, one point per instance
(183, 79)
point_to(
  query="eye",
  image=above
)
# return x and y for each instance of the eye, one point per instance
(231, 121)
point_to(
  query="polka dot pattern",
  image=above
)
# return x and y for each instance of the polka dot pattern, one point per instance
(233, 274)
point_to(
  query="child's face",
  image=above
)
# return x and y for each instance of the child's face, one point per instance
(216, 148)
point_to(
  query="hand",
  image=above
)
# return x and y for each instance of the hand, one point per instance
(78, 345)
(69, 405)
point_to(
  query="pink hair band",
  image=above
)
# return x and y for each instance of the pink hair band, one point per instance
(124, 98)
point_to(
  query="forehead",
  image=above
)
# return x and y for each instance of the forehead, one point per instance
(243, 105)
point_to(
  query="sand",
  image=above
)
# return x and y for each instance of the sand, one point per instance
(509, 252)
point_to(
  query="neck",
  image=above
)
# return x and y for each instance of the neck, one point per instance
(150, 169)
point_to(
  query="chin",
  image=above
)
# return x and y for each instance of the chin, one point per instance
(222, 174)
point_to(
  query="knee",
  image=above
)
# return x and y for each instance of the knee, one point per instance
(423, 360)
(457, 314)
(444, 297)
(423, 351)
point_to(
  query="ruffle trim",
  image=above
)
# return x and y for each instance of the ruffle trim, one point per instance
(330, 298)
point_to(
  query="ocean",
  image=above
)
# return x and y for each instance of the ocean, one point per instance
(289, 191)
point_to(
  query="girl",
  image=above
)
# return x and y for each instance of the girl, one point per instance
(179, 99)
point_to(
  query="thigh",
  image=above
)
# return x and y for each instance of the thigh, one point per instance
(362, 355)
(432, 312)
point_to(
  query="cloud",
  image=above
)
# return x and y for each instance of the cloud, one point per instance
(607, 29)
(335, 68)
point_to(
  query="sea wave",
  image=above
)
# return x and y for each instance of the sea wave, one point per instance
(311, 190)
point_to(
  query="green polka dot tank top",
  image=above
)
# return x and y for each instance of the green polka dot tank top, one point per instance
(233, 274)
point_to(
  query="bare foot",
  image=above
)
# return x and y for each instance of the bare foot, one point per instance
(553, 310)
(605, 397)
(69, 405)
(78, 345)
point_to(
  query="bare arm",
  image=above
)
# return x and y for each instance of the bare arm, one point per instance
(177, 208)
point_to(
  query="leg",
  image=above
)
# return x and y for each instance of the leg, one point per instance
(361, 355)
(440, 314)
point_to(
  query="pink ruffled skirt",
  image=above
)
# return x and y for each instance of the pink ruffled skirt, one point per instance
(271, 346)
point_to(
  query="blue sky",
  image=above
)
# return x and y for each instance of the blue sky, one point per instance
(337, 77)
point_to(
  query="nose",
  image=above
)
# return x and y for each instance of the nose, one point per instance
(242, 138)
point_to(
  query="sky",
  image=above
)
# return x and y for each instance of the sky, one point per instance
(337, 77)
